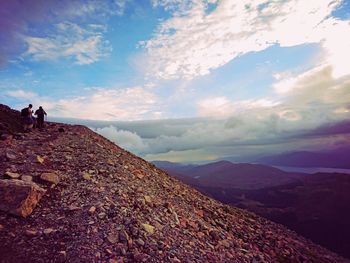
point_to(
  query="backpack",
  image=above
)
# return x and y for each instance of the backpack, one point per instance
(24, 112)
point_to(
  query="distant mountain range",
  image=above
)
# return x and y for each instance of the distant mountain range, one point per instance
(316, 206)
(227, 175)
(339, 158)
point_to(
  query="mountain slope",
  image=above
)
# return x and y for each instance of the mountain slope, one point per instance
(316, 206)
(111, 206)
(10, 120)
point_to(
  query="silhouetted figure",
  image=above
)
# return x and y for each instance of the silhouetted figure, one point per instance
(27, 118)
(40, 113)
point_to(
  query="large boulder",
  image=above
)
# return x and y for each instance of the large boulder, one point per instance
(18, 197)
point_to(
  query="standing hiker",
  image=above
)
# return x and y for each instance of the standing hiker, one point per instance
(40, 113)
(27, 118)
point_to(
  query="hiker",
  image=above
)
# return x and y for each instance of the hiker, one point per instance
(40, 113)
(27, 118)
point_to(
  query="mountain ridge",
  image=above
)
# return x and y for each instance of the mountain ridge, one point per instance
(108, 205)
(225, 174)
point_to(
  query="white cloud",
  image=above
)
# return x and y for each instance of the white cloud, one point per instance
(188, 156)
(296, 82)
(21, 19)
(222, 107)
(98, 104)
(215, 107)
(172, 5)
(95, 8)
(254, 131)
(337, 46)
(316, 89)
(192, 43)
(255, 126)
(126, 139)
(24, 97)
(83, 45)
(110, 104)
(303, 101)
(21, 94)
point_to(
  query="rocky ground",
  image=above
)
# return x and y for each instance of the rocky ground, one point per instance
(103, 204)
(10, 122)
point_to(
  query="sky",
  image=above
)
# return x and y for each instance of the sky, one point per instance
(184, 80)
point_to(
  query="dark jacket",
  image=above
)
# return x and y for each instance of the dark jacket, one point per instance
(40, 113)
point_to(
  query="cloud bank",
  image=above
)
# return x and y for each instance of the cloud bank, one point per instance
(250, 127)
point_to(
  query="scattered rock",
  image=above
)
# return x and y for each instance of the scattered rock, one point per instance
(92, 210)
(48, 231)
(130, 243)
(225, 243)
(73, 207)
(177, 221)
(147, 199)
(50, 177)
(40, 159)
(86, 176)
(140, 242)
(18, 197)
(5, 137)
(113, 238)
(12, 175)
(123, 236)
(11, 156)
(31, 232)
(27, 178)
(149, 229)
(214, 234)
(139, 174)
(101, 215)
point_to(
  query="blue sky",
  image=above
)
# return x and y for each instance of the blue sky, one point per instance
(122, 60)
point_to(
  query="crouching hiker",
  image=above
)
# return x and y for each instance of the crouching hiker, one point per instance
(40, 113)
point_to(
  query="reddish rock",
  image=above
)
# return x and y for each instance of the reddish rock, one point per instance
(138, 174)
(18, 197)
